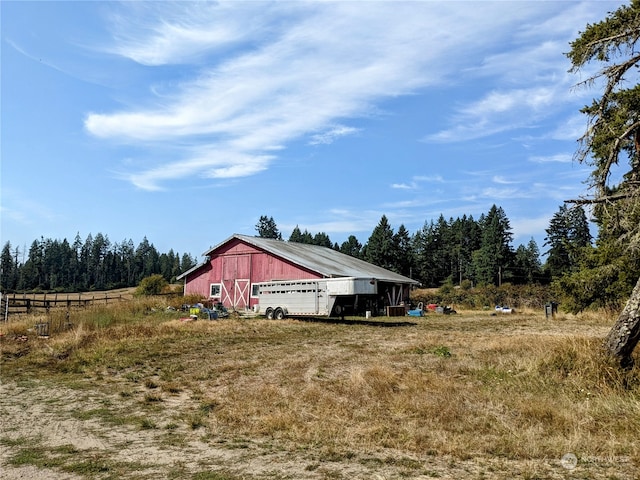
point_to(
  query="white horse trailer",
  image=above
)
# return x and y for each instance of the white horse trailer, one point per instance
(314, 297)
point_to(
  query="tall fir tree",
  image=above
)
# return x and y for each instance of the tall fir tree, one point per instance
(8, 270)
(404, 256)
(611, 144)
(492, 259)
(267, 228)
(380, 248)
(567, 235)
(352, 247)
(322, 239)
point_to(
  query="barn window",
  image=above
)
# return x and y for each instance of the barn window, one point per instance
(254, 289)
(215, 290)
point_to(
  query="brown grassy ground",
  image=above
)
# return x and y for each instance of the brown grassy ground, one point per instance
(130, 393)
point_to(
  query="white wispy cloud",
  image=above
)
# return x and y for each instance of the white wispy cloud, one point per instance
(526, 227)
(555, 158)
(332, 135)
(500, 111)
(265, 74)
(22, 209)
(571, 128)
(404, 186)
(429, 178)
(417, 181)
(530, 78)
(160, 33)
(504, 181)
(505, 193)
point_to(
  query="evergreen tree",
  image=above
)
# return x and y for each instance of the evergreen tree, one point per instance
(527, 268)
(404, 257)
(380, 248)
(494, 255)
(147, 260)
(99, 250)
(466, 234)
(299, 237)
(175, 267)
(75, 274)
(352, 247)
(267, 228)
(612, 140)
(424, 245)
(165, 261)
(557, 239)
(187, 263)
(296, 235)
(567, 235)
(30, 271)
(441, 253)
(579, 234)
(322, 239)
(8, 270)
(94, 264)
(87, 264)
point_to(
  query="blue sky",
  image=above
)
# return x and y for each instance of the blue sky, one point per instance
(185, 122)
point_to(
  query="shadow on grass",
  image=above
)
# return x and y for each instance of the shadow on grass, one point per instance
(343, 321)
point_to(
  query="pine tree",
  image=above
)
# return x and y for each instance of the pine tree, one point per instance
(187, 262)
(567, 235)
(267, 228)
(527, 266)
(352, 247)
(8, 270)
(423, 246)
(322, 239)
(380, 248)
(612, 140)
(296, 235)
(494, 255)
(467, 237)
(404, 257)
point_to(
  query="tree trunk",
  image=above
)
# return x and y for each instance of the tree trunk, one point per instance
(625, 334)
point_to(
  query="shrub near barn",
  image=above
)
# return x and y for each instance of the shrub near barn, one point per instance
(515, 296)
(153, 285)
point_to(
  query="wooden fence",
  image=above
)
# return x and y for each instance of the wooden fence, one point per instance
(21, 303)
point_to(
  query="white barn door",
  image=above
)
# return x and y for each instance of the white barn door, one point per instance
(236, 282)
(241, 293)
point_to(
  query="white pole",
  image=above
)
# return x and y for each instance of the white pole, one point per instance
(6, 308)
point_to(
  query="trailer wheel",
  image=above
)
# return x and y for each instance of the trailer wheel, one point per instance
(279, 314)
(269, 313)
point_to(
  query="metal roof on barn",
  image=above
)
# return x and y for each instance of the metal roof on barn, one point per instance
(325, 261)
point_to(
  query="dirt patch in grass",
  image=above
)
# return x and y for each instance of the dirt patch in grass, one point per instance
(468, 396)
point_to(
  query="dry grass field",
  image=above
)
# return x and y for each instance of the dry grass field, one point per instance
(133, 392)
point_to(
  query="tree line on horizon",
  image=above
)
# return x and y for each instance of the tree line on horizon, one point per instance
(454, 251)
(461, 250)
(92, 264)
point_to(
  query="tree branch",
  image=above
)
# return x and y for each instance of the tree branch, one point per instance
(602, 199)
(615, 150)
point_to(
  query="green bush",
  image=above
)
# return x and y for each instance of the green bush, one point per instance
(153, 285)
(515, 296)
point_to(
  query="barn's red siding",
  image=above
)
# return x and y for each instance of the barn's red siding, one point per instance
(236, 266)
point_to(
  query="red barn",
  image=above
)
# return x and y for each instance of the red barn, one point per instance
(234, 267)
